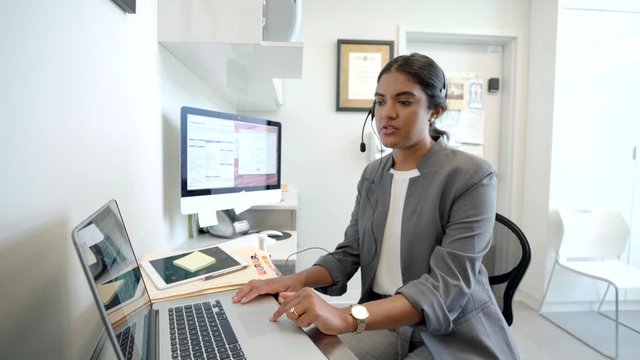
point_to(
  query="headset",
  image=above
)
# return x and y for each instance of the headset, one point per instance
(372, 112)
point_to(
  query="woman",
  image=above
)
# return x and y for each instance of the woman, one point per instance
(422, 222)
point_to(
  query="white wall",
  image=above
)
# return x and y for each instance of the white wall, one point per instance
(90, 107)
(536, 160)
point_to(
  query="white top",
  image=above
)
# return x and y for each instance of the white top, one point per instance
(388, 277)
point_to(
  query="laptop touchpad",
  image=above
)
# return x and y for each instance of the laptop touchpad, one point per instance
(255, 323)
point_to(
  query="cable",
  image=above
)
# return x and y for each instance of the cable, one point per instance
(381, 147)
(311, 248)
(373, 211)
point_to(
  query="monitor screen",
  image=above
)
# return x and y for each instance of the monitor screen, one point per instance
(228, 161)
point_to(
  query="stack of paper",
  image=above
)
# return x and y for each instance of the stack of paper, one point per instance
(260, 267)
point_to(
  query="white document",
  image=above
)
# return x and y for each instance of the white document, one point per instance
(207, 218)
(363, 74)
(471, 127)
(242, 202)
(474, 98)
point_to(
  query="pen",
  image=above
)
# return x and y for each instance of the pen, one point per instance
(213, 276)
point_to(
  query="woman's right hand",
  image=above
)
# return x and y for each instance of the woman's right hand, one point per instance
(289, 283)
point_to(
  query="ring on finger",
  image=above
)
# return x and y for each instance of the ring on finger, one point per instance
(293, 310)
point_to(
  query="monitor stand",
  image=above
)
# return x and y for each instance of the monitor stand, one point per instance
(229, 225)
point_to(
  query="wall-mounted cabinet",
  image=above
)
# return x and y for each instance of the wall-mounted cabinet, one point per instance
(242, 47)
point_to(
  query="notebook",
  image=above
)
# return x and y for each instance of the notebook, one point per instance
(202, 327)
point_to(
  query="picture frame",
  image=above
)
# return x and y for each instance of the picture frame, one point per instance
(359, 63)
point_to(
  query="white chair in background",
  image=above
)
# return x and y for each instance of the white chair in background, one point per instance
(590, 243)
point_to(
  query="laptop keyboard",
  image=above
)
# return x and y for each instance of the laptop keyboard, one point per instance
(126, 340)
(202, 331)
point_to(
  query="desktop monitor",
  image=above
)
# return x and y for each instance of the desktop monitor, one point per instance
(228, 161)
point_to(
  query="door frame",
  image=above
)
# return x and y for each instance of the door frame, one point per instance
(512, 112)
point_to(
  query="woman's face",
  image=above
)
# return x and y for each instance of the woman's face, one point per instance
(401, 111)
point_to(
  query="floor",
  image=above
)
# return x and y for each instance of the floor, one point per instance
(539, 339)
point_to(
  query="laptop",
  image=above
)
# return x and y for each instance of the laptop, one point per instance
(202, 327)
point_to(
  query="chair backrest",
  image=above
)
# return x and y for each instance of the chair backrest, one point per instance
(506, 262)
(598, 234)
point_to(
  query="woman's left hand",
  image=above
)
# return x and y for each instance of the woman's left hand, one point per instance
(306, 307)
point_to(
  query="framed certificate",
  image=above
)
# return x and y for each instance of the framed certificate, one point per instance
(359, 63)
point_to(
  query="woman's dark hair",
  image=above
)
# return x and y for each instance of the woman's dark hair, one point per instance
(428, 74)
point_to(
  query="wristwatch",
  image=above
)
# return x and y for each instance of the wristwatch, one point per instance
(361, 314)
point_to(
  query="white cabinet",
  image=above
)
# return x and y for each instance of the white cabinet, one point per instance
(243, 48)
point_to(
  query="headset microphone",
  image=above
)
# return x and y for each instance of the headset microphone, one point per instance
(363, 146)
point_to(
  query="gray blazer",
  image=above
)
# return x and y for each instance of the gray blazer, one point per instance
(447, 224)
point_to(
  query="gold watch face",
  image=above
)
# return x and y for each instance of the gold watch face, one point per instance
(359, 312)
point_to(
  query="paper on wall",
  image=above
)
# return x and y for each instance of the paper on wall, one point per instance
(474, 93)
(455, 93)
(471, 127)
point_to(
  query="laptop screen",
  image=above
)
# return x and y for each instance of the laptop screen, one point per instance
(111, 267)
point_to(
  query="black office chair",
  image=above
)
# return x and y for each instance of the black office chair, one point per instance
(506, 262)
